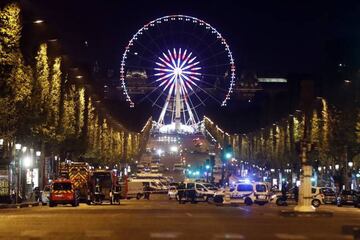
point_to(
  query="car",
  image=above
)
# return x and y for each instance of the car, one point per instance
(203, 192)
(346, 197)
(318, 196)
(45, 194)
(62, 191)
(329, 195)
(173, 192)
(357, 199)
(250, 193)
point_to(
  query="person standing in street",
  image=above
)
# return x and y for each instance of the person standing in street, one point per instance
(181, 189)
(147, 191)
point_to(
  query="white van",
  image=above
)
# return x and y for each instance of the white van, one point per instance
(204, 191)
(250, 193)
(155, 184)
(135, 190)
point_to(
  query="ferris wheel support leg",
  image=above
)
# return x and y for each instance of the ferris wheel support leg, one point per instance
(177, 106)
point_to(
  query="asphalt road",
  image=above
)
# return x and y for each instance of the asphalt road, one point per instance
(159, 218)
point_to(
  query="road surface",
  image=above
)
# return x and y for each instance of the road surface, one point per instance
(160, 218)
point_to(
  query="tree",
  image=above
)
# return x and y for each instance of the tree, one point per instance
(10, 32)
(15, 77)
(54, 93)
(42, 84)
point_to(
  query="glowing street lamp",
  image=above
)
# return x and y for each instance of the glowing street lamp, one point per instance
(1, 141)
(337, 166)
(27, 161)
(38, 153)
(350, 164)
(17, 146)
(24, 148)
(38, 21)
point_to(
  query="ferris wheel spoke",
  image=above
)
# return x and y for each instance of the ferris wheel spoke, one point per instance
(147, 96)
(153, 41)
(214, 55)
(203, 90)
(145, 48)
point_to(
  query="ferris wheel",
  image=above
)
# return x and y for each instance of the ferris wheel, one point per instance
(178, 64)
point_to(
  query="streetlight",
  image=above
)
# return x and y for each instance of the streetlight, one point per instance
(24, 148)
(38, 153)
(17, 146)
(38, 21)
(337, 166)
(1, 141)
(350, 164)
(27, 161)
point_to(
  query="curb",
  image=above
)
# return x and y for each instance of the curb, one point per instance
(291, 213)
(20, 205)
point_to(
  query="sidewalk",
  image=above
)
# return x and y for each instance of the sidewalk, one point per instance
(19, 205)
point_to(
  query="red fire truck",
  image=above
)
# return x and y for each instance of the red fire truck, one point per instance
(79, 174)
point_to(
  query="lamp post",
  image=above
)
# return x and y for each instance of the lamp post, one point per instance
(17, 171)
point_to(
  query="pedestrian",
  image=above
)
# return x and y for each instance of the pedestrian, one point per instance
(296, 193)
(191, 193)
(37, 194)
(147, 191)
(284, 192)
(181, 189)
(13, 196)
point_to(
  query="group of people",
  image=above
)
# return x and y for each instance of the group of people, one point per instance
(186, 193)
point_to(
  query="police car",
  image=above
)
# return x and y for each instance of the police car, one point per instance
(249, 193)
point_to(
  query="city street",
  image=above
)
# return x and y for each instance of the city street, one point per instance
(160, 218)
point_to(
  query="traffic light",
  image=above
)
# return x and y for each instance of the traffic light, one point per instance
(227, 153)
(207, 164)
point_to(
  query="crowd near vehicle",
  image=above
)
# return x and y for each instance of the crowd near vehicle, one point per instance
(104, 187)
(62, 191)
(250, 193)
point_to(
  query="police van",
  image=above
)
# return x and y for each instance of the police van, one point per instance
(249, 193)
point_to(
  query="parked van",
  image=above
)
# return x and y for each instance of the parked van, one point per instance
(250, 193)
(135, 190)
(155, 184)
(203, 192)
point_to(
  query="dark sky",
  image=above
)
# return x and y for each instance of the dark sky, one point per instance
(268, 37)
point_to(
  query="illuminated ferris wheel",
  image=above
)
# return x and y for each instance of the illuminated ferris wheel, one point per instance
(178, 64)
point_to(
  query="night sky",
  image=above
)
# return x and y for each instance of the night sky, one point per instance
(271, 38)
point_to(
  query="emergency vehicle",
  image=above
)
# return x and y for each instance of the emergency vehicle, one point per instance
(79, 174)
(62, 192)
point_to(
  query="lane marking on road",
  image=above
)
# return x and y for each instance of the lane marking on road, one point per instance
(166, 235)
(189, 214)
(34, 233)
(244, 209)
(98, 233)
(290, 236)
(229, 236)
